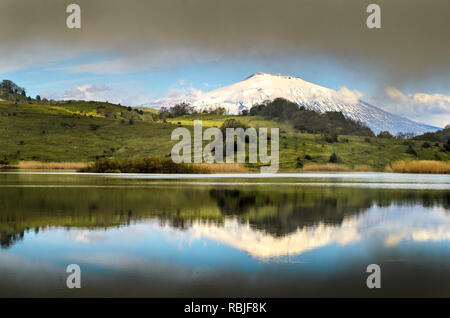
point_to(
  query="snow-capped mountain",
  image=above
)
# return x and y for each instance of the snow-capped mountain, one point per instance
(263, 87)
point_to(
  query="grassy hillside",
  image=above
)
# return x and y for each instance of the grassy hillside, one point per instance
(86, 131)
(79, 131)
(314, 148)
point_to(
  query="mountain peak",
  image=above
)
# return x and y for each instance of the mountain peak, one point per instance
(264, 74)
(262, 87)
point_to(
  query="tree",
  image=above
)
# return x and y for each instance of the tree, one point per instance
(11, 87)
(299, 162)
(447, 146)
(38, 98)
(164, 113)
(385, 134)
(411, 151)
(231, 123)
(330, 138)
(218, 111)
(181, 109)
(306, 120)
(333, 158)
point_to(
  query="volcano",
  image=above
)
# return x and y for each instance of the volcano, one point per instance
(264, 87)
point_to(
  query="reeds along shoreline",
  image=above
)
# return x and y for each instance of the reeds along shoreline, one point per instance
(143, 165)
(419, 166)
(325, 167)
(223, 167)
(38, 165)
(166, 165)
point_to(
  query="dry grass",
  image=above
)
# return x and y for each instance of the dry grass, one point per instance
(223, 167)
(419, 166)
(159, 165)
(37, 165)
(325, 167)
(362, 168)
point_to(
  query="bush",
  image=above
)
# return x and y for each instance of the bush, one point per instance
(299, 163)
(333, 158)
(4, 161)
(142, 165)
(446, 146)
(411, 151)
(330, 138)
(176, 111)
(231, 123)
(385, 134)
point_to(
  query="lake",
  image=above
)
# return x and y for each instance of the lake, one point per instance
(283, 235)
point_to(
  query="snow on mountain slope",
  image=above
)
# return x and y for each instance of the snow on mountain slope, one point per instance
(263, 87)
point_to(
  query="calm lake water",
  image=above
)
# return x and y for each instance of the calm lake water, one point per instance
(289, 235)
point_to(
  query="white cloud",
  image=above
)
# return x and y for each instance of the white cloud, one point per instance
(349, 96)
(82, 92)
(176, 95)
(362, 227)
(100, 92)
(433, 109)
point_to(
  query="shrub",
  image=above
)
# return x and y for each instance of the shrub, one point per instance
(232, 123)
(411, 151)
(385, 134)
(299, 163)
(142, 165)
(4, 161)
(333, 158)
(330, 138)
(446, 146)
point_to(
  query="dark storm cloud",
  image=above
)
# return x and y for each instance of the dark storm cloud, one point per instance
(413, 42)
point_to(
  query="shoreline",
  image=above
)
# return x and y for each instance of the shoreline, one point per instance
(410, 167)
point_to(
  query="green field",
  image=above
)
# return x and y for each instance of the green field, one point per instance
(86, 131)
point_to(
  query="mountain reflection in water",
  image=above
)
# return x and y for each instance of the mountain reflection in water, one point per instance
(139, 237)
(279, 216)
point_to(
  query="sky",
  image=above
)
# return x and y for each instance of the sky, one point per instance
(132, 52)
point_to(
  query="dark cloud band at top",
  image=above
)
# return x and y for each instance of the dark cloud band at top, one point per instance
(413, 41)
